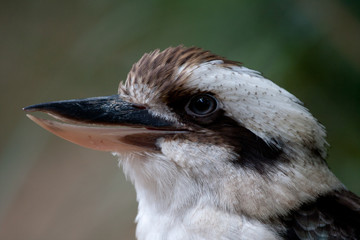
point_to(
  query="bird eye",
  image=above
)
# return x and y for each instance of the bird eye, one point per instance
(201, 105)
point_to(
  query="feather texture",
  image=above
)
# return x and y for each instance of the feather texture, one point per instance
(335, 215)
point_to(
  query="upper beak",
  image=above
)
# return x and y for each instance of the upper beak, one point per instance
(116, 125)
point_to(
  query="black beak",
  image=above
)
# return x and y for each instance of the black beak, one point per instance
(109, 110)
(112, 124)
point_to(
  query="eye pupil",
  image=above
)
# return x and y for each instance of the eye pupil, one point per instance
(202, 105)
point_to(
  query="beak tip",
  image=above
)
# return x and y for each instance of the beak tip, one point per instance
(31, 108)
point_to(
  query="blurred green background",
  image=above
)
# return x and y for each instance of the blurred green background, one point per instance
(53, 50)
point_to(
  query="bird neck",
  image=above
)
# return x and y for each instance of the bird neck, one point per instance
(167, 194)
(171, 206)
(159, 185)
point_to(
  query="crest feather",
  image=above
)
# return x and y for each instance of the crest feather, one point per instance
(159, 69)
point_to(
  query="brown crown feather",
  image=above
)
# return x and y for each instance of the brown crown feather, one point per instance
(158, 69)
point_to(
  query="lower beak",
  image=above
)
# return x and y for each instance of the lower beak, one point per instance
(105, 123)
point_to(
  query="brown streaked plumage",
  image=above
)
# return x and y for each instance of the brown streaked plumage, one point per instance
(159, 69)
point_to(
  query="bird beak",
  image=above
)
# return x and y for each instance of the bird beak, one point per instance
(104, 123)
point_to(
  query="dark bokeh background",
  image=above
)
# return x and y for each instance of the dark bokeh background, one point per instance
(52, 50)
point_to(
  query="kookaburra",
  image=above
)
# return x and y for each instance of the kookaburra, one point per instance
(215, 151)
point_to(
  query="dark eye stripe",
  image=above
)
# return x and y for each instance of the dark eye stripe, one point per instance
(252, 151)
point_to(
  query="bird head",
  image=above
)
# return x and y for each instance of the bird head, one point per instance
(192, 127)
